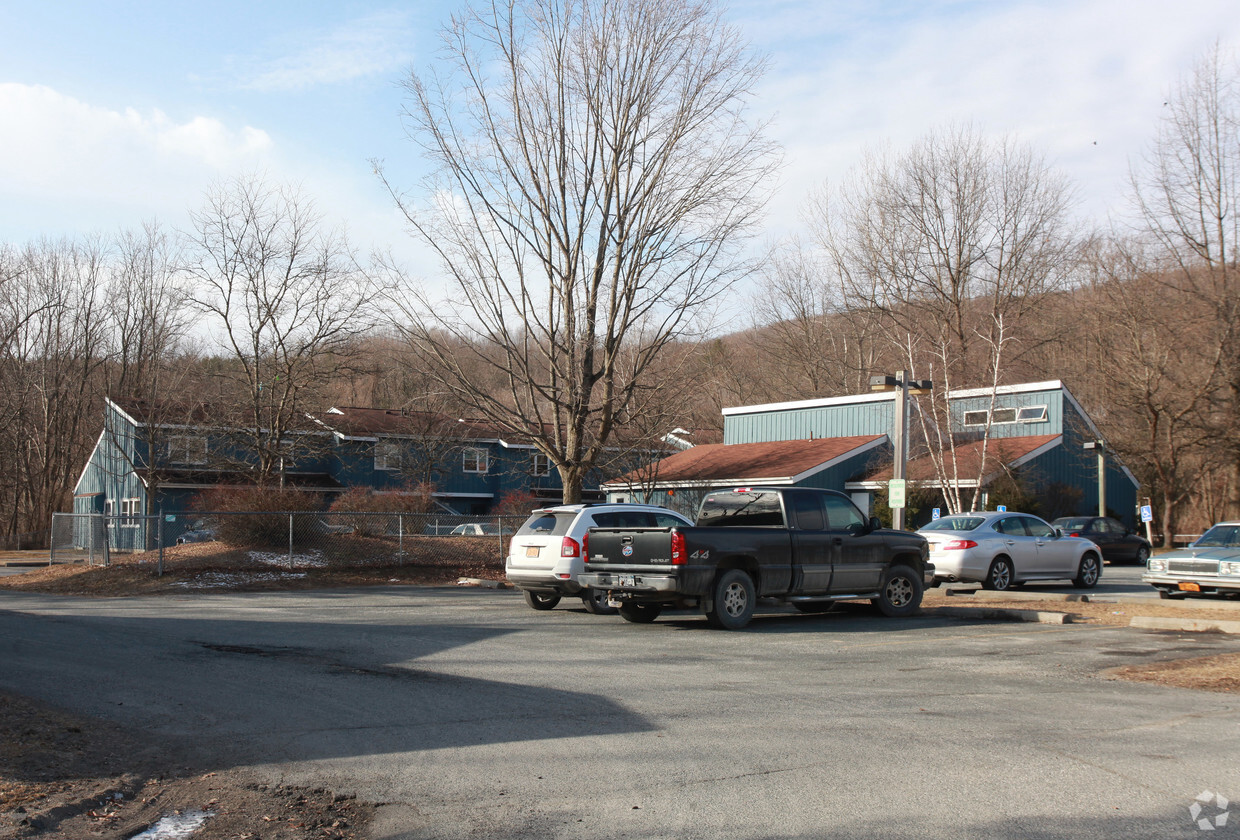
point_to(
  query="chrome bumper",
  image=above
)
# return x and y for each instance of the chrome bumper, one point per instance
(640, 583)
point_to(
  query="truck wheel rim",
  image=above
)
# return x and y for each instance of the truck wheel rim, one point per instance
(734, 599)
(899, 591)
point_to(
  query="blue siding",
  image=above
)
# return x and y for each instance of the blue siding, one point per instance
(846, 420)
(1053, 425)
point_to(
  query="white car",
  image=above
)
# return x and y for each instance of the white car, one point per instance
(1002, 549)
(544, 556)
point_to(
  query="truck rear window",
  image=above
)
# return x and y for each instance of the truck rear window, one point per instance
(750, 508)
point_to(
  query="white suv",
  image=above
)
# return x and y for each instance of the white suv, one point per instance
(544, 556)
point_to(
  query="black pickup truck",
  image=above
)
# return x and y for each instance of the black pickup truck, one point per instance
(801, 546)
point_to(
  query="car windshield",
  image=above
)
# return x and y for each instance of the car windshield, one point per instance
(1220, 536)
(1074, 523)
(954, 523)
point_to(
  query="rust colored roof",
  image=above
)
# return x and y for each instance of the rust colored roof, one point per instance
(779, 461)
(999, 452)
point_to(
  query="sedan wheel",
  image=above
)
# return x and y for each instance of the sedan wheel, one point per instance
(1143, 556)
(1087, 574)
(1001, 576)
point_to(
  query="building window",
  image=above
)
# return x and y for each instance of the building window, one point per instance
(975, 418)
(185, 449)
(475, 461)
(1003, 415)
(542, 465)
(130, 511)
(387, 455)
(1032, 414)
(107, 507)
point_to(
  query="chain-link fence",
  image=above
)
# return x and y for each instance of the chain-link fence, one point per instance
(291, 539)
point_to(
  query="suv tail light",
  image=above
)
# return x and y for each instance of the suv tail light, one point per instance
(958, 545)
(678, 549)
(569, 547)
(585, 547)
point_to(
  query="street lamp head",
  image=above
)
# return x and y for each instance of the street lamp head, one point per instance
(883, 383)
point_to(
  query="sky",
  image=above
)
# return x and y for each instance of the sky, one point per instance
(117, 113)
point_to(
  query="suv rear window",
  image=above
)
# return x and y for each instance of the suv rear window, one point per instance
(547, 524)
(759, 508)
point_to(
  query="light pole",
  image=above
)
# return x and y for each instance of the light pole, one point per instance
(1100, 447)
(903, 386)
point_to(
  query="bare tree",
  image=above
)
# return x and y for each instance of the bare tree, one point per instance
(1187, 193)
(148, 317)
(284, 297)
(53, 356)
(812, 343)
(595, 179)
(953, 244)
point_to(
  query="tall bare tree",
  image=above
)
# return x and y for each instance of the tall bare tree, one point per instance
(596, 176)
(1187, 192)
(284, 296)
(813, 343)
(55, 348)
(953, 243)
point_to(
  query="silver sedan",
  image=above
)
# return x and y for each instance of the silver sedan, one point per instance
(1004, 549)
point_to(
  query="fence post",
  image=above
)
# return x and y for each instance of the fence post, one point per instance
(51, 542)
(400, 538)
(290, 540)
(107, 543)
(159, 536)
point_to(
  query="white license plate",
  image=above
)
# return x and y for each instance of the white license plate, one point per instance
(531, 551)
(626, 580)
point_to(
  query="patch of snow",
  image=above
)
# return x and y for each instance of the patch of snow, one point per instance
(273, 558)
(175, 826)
(208, 580)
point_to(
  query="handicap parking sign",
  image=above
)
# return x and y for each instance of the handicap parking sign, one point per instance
(936, 513)
(1147, 513)
(1002, 508)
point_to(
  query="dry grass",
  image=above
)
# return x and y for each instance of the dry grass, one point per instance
(339, 561)
(1207, 673)
(1115, 614)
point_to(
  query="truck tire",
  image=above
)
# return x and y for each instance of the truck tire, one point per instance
(541, 602)
(639, 613)
(733, 600)
(901, 592)
(595, 602)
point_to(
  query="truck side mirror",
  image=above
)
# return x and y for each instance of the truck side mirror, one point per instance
(874, 523)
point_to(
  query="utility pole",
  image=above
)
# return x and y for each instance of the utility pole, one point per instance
(903, 386)
(1100, 447)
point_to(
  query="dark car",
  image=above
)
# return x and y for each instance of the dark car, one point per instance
(1118, 544)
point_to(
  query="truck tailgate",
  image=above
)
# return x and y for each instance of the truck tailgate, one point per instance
(630, 547)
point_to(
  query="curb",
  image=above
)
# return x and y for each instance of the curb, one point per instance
(1194, 625)
(1032, 616)
(32, 564)
(988, 595)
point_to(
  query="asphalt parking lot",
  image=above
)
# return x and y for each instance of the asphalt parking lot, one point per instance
(470, 715)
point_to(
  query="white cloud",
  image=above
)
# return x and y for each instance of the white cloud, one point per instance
(1083, 81)
(75, 159)
(373, 45)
